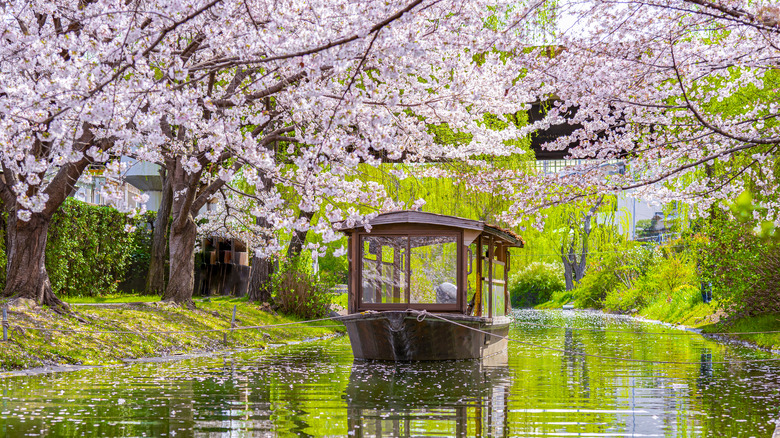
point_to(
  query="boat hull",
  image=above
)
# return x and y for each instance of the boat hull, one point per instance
(410, 336)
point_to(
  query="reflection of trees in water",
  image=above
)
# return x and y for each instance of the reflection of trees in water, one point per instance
(705, 369)
(573, 363)
(272, 396)
(749, 392)
(460, 398)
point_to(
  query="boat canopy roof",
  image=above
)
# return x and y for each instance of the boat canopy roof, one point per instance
(415, 219)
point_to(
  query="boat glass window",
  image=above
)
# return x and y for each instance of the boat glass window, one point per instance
(499, 305)
(472, 277)
(433, 274)
(384, 269)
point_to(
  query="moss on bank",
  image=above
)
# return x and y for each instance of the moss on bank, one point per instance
(28, 348)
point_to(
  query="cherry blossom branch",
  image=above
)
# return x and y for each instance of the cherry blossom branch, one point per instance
(752, 141)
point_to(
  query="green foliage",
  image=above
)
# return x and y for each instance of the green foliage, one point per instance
(594, 287)
(535, 284)
(297, 292)
(625, 301)
(336, 268)
(658, 281)
(629, 280)
(89, 252)
(739, 260)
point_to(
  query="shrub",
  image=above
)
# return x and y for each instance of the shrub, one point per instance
(609, 281)
(595, 285)
(741, 265)
(535, 284)
(650, 280)
(334, 267)
(297, 292)
(667, 275)
(89, 252)
(625, 300)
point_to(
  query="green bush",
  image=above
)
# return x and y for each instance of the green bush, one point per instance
(334, 267)
(535, 284)
(741, 265)
(88, 251)
(610, 279)
(663, 281)
(297, 292)
(595, 285)
(625, 300)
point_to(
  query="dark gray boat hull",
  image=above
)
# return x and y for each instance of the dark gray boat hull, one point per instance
(407, 336)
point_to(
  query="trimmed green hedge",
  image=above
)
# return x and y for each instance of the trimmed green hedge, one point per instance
(89, 253)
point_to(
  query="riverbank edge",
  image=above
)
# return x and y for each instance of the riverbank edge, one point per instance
(722, 337)
(146, 333)
(63, 368)
(713, 323)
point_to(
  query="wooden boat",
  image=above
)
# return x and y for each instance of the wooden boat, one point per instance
(424, 286)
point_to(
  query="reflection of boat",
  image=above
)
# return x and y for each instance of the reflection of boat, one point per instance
(452, 268)
(455, 398)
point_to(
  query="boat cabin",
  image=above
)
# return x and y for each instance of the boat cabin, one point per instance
(432, 262)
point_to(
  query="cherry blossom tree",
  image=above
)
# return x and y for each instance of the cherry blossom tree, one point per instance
(682, 91)
(73, 76)
(292, 94)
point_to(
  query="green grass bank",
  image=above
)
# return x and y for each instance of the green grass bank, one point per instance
(27, 348)
(684, 309)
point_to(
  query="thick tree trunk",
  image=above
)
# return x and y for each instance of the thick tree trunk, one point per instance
(568, 275)
(259, 288)
(155, 279)
(182, 262)
(26, 275)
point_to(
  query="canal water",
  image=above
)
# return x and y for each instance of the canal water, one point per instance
(316, 389)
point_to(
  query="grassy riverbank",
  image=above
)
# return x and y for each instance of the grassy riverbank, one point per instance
(27, 348)
(685, 309)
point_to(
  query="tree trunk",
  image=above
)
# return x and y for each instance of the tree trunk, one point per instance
(26, 275)
(567, 269)
(574, 269)
(155, 279)
(182, 261)
(299, 237)
(259, 288)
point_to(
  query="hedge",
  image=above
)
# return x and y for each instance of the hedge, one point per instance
(89, 253)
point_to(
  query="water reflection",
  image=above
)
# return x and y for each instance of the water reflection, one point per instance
(317, 389)
(574, 365)
(458, 398)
